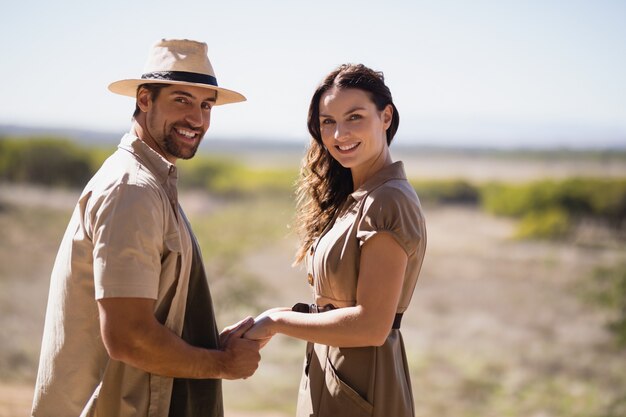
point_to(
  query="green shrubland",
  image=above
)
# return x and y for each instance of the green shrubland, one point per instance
(59, 162)
(549, 208)
(453, 191)
(45, 161)
(227, 177)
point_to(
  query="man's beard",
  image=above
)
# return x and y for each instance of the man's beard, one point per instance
(174, 149)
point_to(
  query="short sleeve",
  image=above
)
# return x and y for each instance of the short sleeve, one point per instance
(127, 227)
(394, 211)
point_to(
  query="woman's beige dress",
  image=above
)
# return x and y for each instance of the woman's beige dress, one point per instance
(366, 381)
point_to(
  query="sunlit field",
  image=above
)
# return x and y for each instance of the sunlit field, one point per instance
(499, 325)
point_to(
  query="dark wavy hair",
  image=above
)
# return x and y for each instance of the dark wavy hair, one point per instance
(324, 184)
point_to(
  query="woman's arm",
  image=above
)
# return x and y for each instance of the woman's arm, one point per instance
(382, 268)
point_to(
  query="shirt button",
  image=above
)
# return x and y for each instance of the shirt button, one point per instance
(310, 279)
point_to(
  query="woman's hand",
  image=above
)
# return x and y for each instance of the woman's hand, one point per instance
(225, 334)
(263, 329)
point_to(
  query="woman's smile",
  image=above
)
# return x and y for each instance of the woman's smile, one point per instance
(345, 149)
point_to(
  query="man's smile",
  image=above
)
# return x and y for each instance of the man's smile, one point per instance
(189, 134)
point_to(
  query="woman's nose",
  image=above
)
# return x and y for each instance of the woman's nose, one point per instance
(340, 131)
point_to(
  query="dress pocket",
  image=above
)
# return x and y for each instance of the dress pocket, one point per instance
(341, 399)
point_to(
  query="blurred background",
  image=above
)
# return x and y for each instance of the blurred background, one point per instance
(513, 133)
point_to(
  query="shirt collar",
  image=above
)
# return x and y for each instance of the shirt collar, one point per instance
(159, 166)
(394, 171)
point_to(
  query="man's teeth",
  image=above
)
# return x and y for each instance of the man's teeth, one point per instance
(347, 147)
(186, 133)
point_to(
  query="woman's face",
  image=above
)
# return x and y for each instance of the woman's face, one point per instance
(352, 129)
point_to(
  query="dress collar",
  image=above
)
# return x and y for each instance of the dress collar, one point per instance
(395, 171)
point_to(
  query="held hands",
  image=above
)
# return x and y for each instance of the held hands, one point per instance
(241, 356)
(242, 342)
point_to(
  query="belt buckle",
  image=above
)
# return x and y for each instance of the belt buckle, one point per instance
(325, 308)
(301, 308)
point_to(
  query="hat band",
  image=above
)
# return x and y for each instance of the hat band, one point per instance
(190, 77)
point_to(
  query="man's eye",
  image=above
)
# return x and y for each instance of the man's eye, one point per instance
(206, 106)
(181, 100)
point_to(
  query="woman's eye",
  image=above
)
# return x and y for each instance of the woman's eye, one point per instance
(355, 117)
(328, 121)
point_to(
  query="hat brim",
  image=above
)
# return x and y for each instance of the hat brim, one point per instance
(129, 88)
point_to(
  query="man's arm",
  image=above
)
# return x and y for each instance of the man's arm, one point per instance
(131, 334)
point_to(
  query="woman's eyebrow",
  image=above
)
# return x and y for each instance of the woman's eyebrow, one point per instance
(352, 110)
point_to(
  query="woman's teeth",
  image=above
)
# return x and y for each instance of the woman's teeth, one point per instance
(347, 147)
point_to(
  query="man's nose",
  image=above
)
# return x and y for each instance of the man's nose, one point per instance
(196, 117)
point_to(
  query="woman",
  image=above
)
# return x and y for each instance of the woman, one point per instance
(363, 241)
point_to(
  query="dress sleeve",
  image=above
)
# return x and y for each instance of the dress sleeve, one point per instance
(392, 210)
(127, 227)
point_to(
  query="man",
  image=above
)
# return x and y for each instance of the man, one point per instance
(130, 329)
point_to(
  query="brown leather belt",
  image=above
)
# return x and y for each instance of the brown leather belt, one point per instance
(314, 308)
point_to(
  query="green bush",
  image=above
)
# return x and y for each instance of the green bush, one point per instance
(453, 191)
(597, 197)
(609, 291)
(547, 224)
(45, 161)
(606, 198)
(227, 177)
(203, 171)
(517, 200)
(549, 208)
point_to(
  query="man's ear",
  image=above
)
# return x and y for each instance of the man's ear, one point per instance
(144, 99)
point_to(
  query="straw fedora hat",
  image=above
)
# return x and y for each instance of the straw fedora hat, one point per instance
(178, 61)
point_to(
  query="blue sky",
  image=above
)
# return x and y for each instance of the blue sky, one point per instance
(498, 73)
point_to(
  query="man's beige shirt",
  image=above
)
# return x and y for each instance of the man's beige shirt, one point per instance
(127, 238)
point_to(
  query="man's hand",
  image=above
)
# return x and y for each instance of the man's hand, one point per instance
(225, 334)
(241, 356)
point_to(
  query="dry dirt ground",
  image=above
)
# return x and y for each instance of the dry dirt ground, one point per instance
(490, 310)
(485, 306)
(15, 401)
